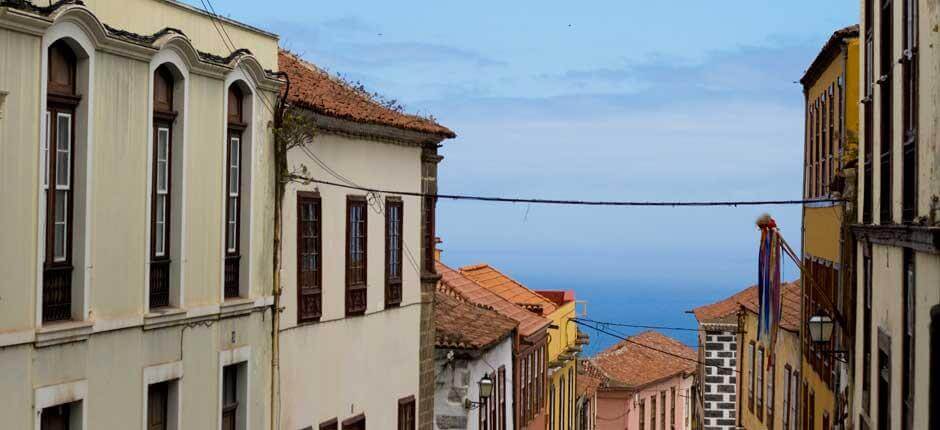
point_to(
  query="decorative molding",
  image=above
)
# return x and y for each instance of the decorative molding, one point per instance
(375, 132)
(918, 238)
(67, 332)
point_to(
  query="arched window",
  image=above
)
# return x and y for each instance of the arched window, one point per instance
(162, 178)
(233, 202)
(58, 175)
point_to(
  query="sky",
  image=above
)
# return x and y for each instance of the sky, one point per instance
(612, 100)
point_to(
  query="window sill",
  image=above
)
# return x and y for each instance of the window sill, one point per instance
(236, 306)
(163, 317)
(58, 333)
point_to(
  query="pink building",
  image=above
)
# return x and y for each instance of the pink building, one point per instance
(645, 384)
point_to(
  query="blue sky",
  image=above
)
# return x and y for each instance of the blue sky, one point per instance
(625, 100)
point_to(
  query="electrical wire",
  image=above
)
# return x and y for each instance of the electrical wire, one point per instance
(569, 202)
(656, 327)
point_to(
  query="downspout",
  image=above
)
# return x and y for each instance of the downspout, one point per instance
(799, 407)
(280, 166)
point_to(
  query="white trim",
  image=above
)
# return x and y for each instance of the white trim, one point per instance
(156, 374)
(169, 55)
(247, 140)
(236, 356)
(104, 325)
(52, 395)
(71, 30)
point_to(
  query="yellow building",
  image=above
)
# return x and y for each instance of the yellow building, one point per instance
(830, 86)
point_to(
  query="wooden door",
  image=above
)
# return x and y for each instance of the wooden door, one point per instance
(55, 418)
(157, 396)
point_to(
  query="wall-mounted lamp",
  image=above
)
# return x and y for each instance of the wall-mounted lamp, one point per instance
(486, 390)
(820, 331)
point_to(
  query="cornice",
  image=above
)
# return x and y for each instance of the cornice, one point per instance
(918, 238)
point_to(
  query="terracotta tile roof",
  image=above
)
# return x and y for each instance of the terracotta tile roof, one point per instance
(499, 283)
(721, 311)
(589, 379)
(314, 89)
(455, 284)
(559, 297)
(461, 324)
(789, 304)
(633, 365)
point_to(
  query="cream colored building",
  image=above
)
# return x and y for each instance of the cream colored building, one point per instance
(898, 319)
(120, 151)
(357, 339)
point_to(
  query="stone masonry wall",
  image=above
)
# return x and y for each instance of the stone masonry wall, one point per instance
(720, 385)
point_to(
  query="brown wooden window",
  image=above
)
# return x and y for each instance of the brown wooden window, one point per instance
(750, 377)
(770, 395)
(309, 257)
(233, 187)
(356, 255)
(910, 95)
(394, 213)
(406, 413)
(331, 424)
(571, 399)
(672, 407)
(357, 422)
(162, 183)
(869, 113)
(787, 372)
(866, 328)
(760, 383)
(230, 400)
(429, 235)
(907, 352)
(561, 402)
(884, 380)
(934, 401)
(642, 416)
(662, 409)
(157, 406)
(653, 412)
(886, 48)
(56, 417)
(58, 175)
(501, 390)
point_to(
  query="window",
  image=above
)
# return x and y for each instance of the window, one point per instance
(233, 183)
(786, 397)
(687, 409)
(759, 374)
(551, 408)
(934, 401)
(770, 396)
(662, 410)
(523, 391)
(750, 378)
(406, 413)
(493, 403)
(910, 95)
(907, 363)
(886, 53)
(57, 417)
(869, 111)
(429, 203)
(230, 397)
(501, 390)
(357, 422)
(393, 251)
(157, 406)
(884, 380)
(330, 424)
(160, 208)
(642, 416)
(811, 411)
(59, 172)
(561, 404)
(571, 397)
(672, 407)
(866, 327)
(653, 412)
(309, 252)
(796, 405)
(356, 256)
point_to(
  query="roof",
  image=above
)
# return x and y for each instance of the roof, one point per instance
(589, 379)
(560, 298)
(314, 89)
(638, 361)
(789, 303)
(464, 325)
(828, 53)
(723, 311)
(456, 285)
(499, 283)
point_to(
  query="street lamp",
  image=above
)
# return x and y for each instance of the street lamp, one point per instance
(820, 331)
(486, 390)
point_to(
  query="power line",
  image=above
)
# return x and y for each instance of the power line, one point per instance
(655, 327)
(729, 203)
(628, 340)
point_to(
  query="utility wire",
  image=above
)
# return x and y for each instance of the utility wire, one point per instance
(571, 202)
(641, 344)
(656, 327)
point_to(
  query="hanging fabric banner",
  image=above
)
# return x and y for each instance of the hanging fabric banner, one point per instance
(768, 282)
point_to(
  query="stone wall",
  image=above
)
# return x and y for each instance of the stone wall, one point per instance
(720, 384)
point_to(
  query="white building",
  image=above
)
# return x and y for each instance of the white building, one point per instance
(356, 334)
(134, 293)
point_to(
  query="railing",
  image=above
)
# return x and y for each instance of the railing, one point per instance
(231, 276)
(355, 300)
(57, 294)
(159, 284)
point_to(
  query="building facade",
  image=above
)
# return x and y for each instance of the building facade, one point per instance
(830, 86)
(473, 344)
(898, 254)
(717, 395)
(360, 275)
(647, 379)
(563, 352)
(135, 295)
